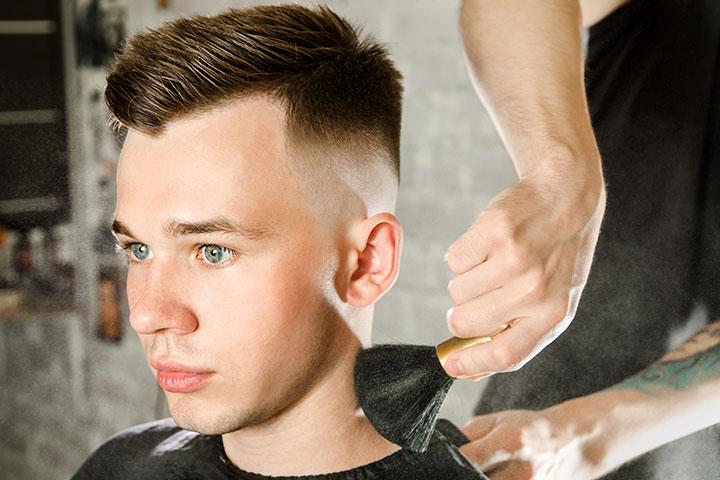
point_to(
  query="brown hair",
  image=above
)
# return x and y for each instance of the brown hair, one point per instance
(335, 86)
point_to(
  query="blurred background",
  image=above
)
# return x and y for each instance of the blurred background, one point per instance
(71, 370)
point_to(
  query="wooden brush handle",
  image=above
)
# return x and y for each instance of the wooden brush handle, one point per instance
(454, 344)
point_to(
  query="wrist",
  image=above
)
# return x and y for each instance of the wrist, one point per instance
(572, 181)
(590, 428)
(613, 426)
(551, 148)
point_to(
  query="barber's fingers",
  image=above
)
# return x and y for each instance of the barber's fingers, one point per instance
(479, 280)
(483, 316)
(508, 350)
(491, 448)
(471, 248)
(487, 314)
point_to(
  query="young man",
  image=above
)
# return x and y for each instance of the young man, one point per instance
(255, 195)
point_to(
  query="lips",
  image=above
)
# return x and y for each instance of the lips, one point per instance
(181, 382)
(178, 378)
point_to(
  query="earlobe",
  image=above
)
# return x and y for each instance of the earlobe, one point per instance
(379, 247)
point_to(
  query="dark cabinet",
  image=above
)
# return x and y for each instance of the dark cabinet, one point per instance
(34, 184)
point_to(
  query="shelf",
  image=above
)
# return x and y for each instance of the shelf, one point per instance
(28, 117)
(35, 313)
(27, 27)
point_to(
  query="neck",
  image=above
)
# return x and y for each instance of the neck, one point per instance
(327, 420)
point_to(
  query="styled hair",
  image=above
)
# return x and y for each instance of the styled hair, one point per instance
(335, 86)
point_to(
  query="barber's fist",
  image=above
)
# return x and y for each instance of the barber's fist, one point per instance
(553, 444)
(523, 263)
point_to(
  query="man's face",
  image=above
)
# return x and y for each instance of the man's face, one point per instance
(236, 327)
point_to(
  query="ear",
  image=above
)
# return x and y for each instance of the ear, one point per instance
(375, 262)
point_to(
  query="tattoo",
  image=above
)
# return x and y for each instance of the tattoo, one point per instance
(694, 362)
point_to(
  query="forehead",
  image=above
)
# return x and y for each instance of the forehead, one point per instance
(234, 156)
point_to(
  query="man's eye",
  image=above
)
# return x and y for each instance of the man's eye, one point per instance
(217, 254)
(141, 251)
(134, 252)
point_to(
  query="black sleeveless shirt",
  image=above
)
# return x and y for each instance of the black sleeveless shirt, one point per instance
(653, 87)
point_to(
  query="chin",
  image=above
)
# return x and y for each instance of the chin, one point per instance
(212, 421)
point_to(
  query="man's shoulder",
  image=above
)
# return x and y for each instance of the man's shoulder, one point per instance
(146, 439)
(155, 430)
(155, 446)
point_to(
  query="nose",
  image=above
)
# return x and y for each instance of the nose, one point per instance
(158, 300)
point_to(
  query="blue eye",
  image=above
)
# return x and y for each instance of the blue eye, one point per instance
(141, 251)
(217, 254)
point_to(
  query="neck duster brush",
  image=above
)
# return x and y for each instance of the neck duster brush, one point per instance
(401, 388)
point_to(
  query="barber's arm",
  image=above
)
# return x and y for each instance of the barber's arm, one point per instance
(526, 258)
(587, 437)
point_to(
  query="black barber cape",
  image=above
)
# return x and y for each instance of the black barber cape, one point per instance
(161, 450)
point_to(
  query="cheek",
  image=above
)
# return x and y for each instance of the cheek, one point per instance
(281, 303)
(266, 311)
(291, 334)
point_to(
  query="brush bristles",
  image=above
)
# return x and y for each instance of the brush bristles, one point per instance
(401, 388)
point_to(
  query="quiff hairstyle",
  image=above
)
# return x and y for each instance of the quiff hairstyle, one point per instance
(336, 88)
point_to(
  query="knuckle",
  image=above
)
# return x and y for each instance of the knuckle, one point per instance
(505, 235)
(455, 259)
(469, 362)
(558, 311)
(457, 323)
(503, 358)
(504, 227)
(463, 254)
(540, 273)
(537, 287)
(518, 258)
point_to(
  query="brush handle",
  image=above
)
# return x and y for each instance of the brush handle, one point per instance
(454, 344)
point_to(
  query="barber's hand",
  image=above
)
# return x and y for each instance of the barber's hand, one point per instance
(523, 263)
(554, 444)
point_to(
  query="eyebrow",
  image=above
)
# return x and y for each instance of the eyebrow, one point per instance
(175, 228)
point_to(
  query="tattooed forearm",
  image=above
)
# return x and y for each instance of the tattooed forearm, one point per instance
(694, 362)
